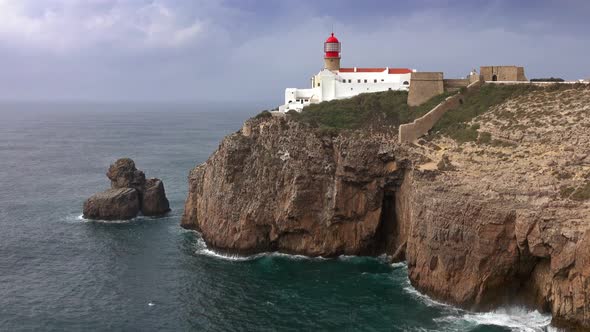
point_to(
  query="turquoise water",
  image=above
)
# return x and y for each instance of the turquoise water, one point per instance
(59, 272)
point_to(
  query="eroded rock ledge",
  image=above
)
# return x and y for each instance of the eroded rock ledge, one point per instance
(479, 224)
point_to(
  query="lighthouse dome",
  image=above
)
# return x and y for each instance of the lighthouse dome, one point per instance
(332, 47)
(332, 39)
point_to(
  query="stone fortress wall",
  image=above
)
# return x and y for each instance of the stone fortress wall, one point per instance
(423, 86)
(410, 132)
(502, 73)
(455, 84)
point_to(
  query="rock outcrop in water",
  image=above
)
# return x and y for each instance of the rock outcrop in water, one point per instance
(501, 220)
(129, 195)
(112, 204)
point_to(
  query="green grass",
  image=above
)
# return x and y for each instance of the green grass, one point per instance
(485, 137)
(263, 115)
(390, 109)
(454, 122)
(381, 109)
(566, 191)
(582, 193)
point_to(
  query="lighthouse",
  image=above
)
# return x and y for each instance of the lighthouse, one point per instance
(332, 53)
(335, 82)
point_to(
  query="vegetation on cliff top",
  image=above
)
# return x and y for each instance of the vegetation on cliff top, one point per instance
(389, 109)
(380, 109)
(580, 193)
(455, 123)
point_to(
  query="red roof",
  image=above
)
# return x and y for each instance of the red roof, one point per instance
(399, 71)
(369, 70)
(332, 39)
(376, 70)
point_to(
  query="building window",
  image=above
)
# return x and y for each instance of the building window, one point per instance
(351, 89)
(375, 81)
(358, 81)
(406, 83)
(365, 81)
(382, 80)
(318, 84)
(349, 81)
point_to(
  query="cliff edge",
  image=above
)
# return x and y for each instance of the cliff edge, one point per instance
(491, 210)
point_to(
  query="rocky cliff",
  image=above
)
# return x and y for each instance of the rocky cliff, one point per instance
(278, 185)
(500, 219)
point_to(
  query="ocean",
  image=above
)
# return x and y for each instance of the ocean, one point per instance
(59, 272)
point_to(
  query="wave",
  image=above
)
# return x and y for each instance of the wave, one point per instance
(399, 265)
(516, 318)
(202, 249)
(232, 257)
(80, 218)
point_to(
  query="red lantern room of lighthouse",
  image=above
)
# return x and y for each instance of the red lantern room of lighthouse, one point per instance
(332, 53)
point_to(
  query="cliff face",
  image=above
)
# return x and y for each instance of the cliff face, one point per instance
(277, 185)
(511, 218)
(500, 220)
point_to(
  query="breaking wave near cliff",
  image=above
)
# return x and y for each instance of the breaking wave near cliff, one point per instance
(374, 275)
(517, 319)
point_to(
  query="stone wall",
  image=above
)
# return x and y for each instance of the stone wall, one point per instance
(502, 73)
(423, 86)
(455, 84)
(410, 132)
(520, 74)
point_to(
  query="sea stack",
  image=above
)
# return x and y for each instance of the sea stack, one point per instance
(130, 194)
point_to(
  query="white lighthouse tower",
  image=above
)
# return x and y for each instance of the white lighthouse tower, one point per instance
(335, 82)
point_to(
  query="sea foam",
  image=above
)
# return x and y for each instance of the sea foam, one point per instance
(80, 218)
(516, 318)
(202, 249)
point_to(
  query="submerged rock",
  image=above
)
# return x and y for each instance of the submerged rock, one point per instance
(129, 195)
(112, 204)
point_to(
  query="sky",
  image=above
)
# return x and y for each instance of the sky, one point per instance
(250, 51)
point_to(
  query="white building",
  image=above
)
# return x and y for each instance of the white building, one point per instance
(334, 82)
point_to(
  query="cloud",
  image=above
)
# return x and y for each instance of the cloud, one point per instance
(239, 50)
(64, 26)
